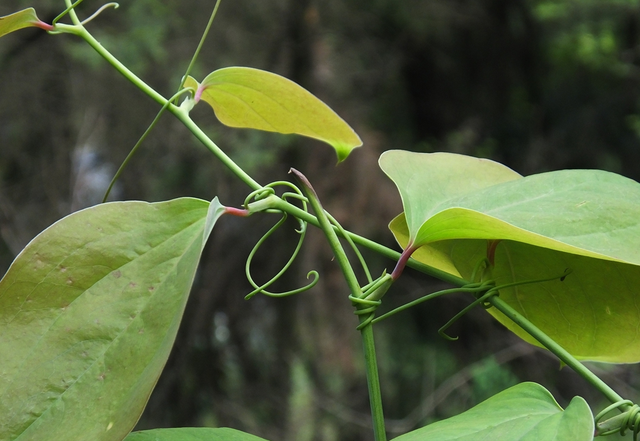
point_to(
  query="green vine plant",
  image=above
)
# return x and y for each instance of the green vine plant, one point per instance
(89, 310)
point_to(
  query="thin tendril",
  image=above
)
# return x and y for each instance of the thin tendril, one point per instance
(99, 11)
(472, 288)
(353, 246)
(262, 193)
(629, 419)
(200, 44)
(135, 147)
(493, 292)
(262, 288)
(364, 306)
(65, 12)
(258, 194)
(369, 302)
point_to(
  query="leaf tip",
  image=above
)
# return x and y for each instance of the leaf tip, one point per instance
(343, 150)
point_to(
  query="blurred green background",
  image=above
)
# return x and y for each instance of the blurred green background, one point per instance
(537, 85)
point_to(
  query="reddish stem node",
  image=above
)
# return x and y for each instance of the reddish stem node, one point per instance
(240, 212)
(43, 25)
(491, 250)
(402, 262)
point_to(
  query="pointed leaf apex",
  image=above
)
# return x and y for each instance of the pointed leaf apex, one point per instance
(249, 98)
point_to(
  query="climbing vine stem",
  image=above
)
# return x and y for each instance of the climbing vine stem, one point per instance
(554, 348)
(373, 380)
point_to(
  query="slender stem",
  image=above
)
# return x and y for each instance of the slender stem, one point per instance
(184, 117)
(433, 295)
(200, 44)
(202, 137)
(373, 382)
(181, 114)
(135, 149)
(81, 32)
(368, 341)
(71, 11)
(321, 220)
(295, 211)
(555, 348)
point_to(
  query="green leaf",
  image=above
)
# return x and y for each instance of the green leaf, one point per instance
(88, 315)
(525, 412)
(587, 221)
(192, 434)
(23, 19)
(255, 99)
(427, 180)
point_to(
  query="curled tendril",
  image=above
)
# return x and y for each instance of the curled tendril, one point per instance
(259, 194)
(113, 5)
(262, 289)
(370, 300)
(628, 420)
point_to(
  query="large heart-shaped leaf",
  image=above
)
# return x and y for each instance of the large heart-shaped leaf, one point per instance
(22, 19)
(255, 99)
(587, 221)
(88, 314)
(525, 412)
(192, 434)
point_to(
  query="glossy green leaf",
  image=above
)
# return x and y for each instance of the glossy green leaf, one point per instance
(192, 434)
(587, 221)
(88, 315)
(525, 412)
(23, 19)
(256, 99)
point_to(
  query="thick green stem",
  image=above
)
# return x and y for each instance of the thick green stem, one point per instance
(555, 348)
(373, 380)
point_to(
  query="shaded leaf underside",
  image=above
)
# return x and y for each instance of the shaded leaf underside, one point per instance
(586, 221)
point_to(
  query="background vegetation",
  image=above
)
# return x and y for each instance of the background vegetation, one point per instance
(538, 85)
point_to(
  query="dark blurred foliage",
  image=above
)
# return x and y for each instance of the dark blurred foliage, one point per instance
(538, 85)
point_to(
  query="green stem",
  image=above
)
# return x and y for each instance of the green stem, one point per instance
(200, 44)
(285, 206)
(279, 204)
(321, 220)
(555, 348)
(180, 113)
(373, 382)
(184, 117)
(81, 32)
(368, 341)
